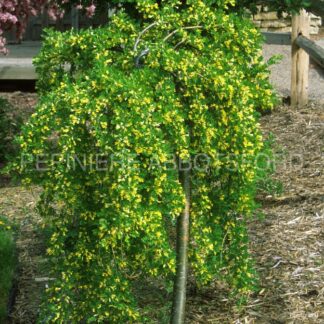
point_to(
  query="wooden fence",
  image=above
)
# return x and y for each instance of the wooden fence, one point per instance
(302, 48)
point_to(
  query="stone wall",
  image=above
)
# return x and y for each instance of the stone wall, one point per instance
(269, 21)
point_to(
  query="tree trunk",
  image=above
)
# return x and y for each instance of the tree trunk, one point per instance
(180, 282)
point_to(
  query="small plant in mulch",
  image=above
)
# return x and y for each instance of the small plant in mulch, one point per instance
(266, 184)
(7, 266)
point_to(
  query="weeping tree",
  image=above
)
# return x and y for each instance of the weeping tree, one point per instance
(147, 130)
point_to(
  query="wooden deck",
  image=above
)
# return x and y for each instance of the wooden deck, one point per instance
(17, 65)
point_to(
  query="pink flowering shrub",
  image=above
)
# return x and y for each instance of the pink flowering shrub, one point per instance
(14, 14)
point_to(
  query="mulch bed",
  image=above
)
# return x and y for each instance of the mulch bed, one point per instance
(24, 102)
(18, 205)
(288, 244)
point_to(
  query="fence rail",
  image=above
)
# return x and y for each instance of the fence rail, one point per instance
(275, 38)
(302, 49)
(315, 51)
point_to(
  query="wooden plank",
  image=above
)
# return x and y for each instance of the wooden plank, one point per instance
(277, 38)
(17, 69)
(300, 61)
(44, 279)
(17, 65)
(315, 51)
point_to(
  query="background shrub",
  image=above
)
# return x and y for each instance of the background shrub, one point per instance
(7, 266)
(10, 124)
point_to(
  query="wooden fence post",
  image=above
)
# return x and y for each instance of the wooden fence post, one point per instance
(300, 61)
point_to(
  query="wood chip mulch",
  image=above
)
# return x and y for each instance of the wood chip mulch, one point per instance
(288, 245)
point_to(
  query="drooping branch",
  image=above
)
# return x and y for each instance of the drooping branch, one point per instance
(177, 30)
(142, 33)
(147, 50)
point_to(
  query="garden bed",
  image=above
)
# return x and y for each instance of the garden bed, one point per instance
(287, 243)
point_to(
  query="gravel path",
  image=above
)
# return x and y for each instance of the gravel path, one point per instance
(281, 72)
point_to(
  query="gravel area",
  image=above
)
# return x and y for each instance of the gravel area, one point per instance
(281, 72)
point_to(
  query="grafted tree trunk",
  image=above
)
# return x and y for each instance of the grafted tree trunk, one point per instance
(180, 282)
